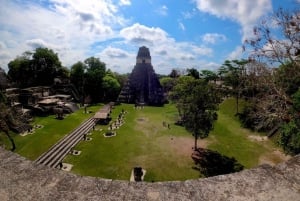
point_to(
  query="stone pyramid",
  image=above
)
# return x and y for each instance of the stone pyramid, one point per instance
(143, 86)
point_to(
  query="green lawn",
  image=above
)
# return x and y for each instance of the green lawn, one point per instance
(230, 139)
(141, 141)
(33, 145)
(144, 141)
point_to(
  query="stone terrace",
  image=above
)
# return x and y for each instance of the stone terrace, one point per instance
(21, 179)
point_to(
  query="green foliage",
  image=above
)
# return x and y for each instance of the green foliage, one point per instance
(77, 75)
(193, 72)
(196, 102)
(208, 75)
(21, 72)
(111, 87)
(35, 69)
(234, 77)
(288, 77)
(167, 83)
(95, 73)
(296, 101)
(290, 137)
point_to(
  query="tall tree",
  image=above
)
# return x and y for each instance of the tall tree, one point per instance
(95, 73)
(77, 77)
(276, 42)
(46, 66)
(281, 48)
(234, 77)
(20, 71)
(196, 101)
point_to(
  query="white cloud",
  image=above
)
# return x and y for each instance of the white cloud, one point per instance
(203, 51)
(69, 27)
(77, 29)
(213, 38)
(2, 45)
(189, 14)
(166, 53)
(181, 26)
(237, 53)
(245, 12)
(163, 10)
(114, 52)
(143, 35)
(125, 2)
(37, 42)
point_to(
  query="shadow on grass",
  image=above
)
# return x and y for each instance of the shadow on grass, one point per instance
(212, 163)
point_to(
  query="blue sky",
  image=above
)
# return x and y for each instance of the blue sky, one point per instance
(180, 34)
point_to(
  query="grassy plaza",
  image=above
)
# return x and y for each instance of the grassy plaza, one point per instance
(143, 140)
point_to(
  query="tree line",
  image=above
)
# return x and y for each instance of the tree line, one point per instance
(94, 82)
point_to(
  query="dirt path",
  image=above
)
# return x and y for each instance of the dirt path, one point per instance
(275, 155)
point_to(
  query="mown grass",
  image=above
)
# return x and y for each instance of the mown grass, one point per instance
(33, 145)
(143, 141)
(231, 139)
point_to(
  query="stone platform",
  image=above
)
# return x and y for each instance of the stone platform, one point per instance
(21, 179)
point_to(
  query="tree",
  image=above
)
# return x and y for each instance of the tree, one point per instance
(276, 42)
(234, 77)
(290, 137)
(3, 80)
(196, 101)
(193, 72)
(277, 49)
(94, 78)
(111, 86)
(37, 68)
(167, 83)
(20, 71)
(209, 75)
(174, 73)
(4, 112)
(77, 77)
(46, 66)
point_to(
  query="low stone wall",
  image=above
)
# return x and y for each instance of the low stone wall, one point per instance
(21, 179)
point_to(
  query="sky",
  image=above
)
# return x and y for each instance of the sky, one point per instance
(180, 34)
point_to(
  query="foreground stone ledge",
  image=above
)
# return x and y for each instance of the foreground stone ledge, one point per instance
(21, 179)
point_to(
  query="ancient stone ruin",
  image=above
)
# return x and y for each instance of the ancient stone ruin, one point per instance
(21, 179)
(143, 86)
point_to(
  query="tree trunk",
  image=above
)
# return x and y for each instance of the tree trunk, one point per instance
(237, 102)
(196, 140)
(11, 141)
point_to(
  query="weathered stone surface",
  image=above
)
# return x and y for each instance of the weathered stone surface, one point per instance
(21, 179)
(143, 86)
